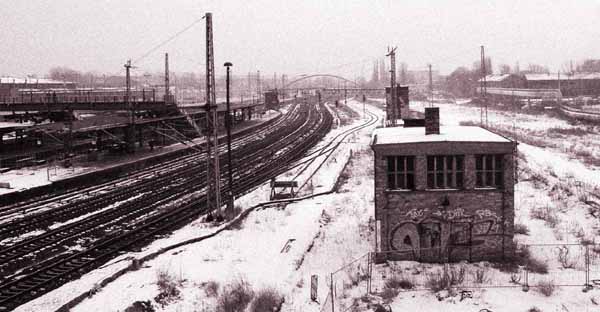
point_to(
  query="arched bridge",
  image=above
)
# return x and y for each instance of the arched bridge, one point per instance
(304, 77)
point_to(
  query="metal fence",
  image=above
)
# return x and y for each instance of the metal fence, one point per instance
(531, 266)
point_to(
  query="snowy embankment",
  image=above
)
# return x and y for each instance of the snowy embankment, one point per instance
(268, 249)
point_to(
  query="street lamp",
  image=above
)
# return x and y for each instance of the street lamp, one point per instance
(228, 127)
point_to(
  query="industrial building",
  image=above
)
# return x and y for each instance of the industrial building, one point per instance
(10, 86)
(575, 84)
(443, 193)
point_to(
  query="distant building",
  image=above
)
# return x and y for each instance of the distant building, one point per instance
(271, 100)
(576, 84)
(443, 193)
(10, 86)
(402, 107)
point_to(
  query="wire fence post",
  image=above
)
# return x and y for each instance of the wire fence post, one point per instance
(526, 281)
(369, 272)
(332, 294)
(587, 286)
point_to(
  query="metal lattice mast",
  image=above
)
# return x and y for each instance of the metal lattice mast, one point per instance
(213, 193)
(258, 89)
(131, 107)
(167, 84)
(483, 86)
(393, 93)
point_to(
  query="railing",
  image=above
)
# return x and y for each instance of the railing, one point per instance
(532, 267)
(80, 97)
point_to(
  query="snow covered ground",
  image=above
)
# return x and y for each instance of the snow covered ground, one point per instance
(328, 232)
(550, 177)
(253, 252)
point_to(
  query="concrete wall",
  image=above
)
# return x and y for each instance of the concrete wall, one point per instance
(476, 224)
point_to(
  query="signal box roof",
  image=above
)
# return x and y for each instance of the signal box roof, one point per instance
(400, 135)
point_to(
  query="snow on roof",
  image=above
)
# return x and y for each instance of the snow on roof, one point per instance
(563, 76)
(495, 78)
(11, 80)
(7, 124)
(399, 135)
(541, 76)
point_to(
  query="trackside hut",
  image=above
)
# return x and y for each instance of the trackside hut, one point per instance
(443, 193)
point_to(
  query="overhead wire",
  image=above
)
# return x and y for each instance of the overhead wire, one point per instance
(152, 50)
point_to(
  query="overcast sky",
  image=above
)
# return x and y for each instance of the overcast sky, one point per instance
(293, 37)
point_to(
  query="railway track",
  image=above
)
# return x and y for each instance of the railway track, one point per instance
(158, 192)
(83, 193)
(261, 160)
(329, 147)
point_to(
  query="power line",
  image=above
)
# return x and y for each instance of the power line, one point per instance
(168, 40)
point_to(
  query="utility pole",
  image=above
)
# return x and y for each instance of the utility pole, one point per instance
(559, 95)
(213, 193)
(345, 93)
(483, 87)
(394, 103)
(282, 86)
(228, 127)
(249, 86)
(167, 86)
(258, 90)
(130, 107)
(430, 87)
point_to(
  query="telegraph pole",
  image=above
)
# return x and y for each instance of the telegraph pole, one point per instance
(167, 86)
(559, 93)
(130, 107)
(258, 90)
(213, 194)
(393, 95)
(483, 87)
(345, 93)
(228, 127)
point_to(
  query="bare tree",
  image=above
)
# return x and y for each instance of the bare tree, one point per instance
(537, 69)
(504, 69)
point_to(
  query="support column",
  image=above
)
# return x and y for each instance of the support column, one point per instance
(140, 135)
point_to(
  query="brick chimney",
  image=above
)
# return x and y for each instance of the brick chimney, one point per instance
(432, 120)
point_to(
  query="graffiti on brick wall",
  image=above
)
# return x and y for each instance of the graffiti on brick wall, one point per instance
(445, 229)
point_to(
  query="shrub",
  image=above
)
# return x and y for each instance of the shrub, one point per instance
(211, 289)
(522, 258)
(399, 282)
(168, 287)
(357, 276)
(546, 288)
(235, 297)
(532, 264)
(545, 213)
(445, 279)
(521, 229)
(566, 261)
(534, 309)
(140, 306)
(267, 300)
(389, 293)
(480, 276)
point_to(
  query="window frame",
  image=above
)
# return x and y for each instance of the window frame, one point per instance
(483, 173)
(406, 173)
(452, 172)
